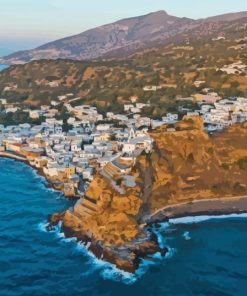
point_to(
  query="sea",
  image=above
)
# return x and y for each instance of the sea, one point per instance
(2, 67)
(207, 255)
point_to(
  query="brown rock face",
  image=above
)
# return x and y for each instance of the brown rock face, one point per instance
(186, 165)
(189, 165)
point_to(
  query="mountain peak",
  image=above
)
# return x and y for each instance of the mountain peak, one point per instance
(158, 15)
(127, 36)
(159, 12)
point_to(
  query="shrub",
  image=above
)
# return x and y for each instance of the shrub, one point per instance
(190, 158)
(225, 166)
(238, 188)
(242, 163)
(210, 150)
(119, 182)
(221, 188)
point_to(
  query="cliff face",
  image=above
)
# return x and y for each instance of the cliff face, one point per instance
(189, 165)
(186, 165)
(105, 215)
(107, 224)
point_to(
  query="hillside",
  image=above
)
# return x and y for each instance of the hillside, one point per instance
(130, 35)
(185, 166)
(109, 84)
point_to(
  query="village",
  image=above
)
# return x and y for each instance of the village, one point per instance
(108, 145)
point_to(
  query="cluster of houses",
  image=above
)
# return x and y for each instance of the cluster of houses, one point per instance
(224, 113)
(96, 144)
(219, 113)
(235, 68)
(70, 159)
(135, 108)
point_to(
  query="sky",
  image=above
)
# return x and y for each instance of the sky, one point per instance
(28, 23)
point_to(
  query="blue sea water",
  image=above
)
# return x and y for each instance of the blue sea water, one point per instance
(2, 67)
(206, 256)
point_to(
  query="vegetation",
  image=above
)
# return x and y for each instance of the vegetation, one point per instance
(108, 84)
(242, 163)
(18, 117)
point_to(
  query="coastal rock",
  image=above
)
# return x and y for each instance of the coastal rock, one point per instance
(126, 257)
(186, 165)
(54, 219)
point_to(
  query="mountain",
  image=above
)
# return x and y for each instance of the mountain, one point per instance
(108, 84)
(228, 17)
(129, 35)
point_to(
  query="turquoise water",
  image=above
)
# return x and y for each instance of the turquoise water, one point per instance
(2, 67)
(205, 258)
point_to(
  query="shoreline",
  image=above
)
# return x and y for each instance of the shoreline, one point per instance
(14, 157)
(128, 258)
(206, 207)
(204, 218)
(24, 160)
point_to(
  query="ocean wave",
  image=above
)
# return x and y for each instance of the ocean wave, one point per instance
(160, 238)
(42, 227)
(107, 270)
(159, 232)
(198, 219)
(186, 235)
(170, 253)
(117, 275)
(110, 272)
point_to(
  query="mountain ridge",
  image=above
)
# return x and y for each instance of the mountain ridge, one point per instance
(126, 36)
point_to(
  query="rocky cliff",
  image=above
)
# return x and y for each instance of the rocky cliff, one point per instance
(186, 165)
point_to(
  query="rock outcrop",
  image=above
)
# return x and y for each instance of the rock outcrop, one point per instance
(185, 165)
(188, 164)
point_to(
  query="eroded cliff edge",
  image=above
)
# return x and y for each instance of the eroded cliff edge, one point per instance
(186, 166)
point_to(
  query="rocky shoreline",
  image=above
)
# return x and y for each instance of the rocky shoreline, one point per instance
(126, 258)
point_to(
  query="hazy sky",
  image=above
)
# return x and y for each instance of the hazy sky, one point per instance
(28, 23)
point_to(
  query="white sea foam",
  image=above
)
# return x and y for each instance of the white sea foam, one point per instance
(170, 253)
(164, 226)
(110, 271)
(107, 270)
(113, 273)
(186, 235)
(160, 238)
(157, 256)
(42, 226)
(61, 235)
(198, 219)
